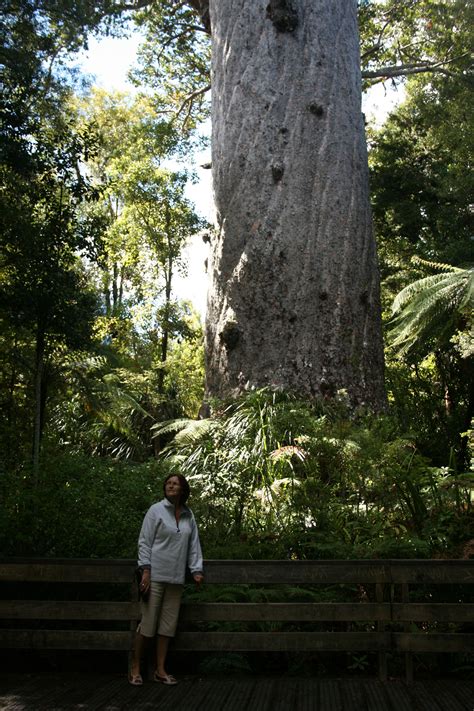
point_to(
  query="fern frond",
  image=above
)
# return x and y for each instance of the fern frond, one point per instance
(439, 266)
(194, 432)
(168, 426)
(467, 300)
(122, 397)
(187, 432)
(423, 287)
(429, 310)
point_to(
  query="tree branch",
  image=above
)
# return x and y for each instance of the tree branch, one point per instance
(201, 7)
(401, 70)
(397, 70)
(137, 5)
(378, 43)
(192, 96)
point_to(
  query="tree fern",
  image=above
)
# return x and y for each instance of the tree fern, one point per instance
(428, 312)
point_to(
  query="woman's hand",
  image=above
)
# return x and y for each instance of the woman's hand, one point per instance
(198, 578)
(145, 581)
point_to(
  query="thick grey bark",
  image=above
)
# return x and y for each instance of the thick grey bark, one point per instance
(294, 297)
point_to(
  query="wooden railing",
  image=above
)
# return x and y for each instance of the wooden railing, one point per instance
(379, 615)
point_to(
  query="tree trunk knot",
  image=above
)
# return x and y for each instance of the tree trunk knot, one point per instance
(328, 390)
(283, 15)
(315, 109)
(277, 172)
(230, 335)
(204, 411)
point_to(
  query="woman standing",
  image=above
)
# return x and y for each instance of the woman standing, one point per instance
(168, 542)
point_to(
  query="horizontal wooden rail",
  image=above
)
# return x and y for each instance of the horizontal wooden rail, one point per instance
(433, 612)
(291, 572)
(67, 610)
(244, 611)
(255, 572)
(283, 641)
(432, 571)
(67, 639)
(66, 571)
(285, 611)
(433, 642)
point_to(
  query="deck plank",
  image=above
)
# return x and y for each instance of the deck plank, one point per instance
(330, 696)
(97, 691)
(376, 696)
(241, 697)
(424, 698)
(307, 698)
(398, 696)
(126, 697)
(286, 694)
(448, 699)
(464, 692)
(102, 692)
(353, 695)
(263, 694)
(216, 697)
(174, 697)
(15, 689)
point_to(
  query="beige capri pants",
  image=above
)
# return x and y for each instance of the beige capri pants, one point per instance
(161, 610)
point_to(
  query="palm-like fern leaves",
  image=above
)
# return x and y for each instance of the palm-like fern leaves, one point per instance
(428, 312)
(188, 433)
(102, 412)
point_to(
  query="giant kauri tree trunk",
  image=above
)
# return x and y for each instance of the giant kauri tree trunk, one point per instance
(294, 297)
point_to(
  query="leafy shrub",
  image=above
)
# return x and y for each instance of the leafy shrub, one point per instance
(275, 476)
(81, 507)
(271, 477)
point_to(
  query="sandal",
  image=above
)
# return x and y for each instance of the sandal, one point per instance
(168, 679)
(135, 679)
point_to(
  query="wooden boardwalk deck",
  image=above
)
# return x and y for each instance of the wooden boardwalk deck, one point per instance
(67, 692)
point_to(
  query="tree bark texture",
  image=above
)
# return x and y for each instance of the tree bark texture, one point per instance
(294, 295)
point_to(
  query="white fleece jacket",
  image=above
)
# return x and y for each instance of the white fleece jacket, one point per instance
(166, 548)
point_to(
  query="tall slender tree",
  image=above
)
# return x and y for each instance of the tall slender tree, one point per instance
(43, 294)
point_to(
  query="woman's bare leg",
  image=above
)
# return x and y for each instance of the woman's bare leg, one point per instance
(138, 652)
(161, 652)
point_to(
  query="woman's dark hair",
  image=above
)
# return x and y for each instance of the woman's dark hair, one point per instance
(185, 491)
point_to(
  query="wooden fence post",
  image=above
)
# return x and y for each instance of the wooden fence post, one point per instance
(406, 627)
(133, 623)
(381, 626)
